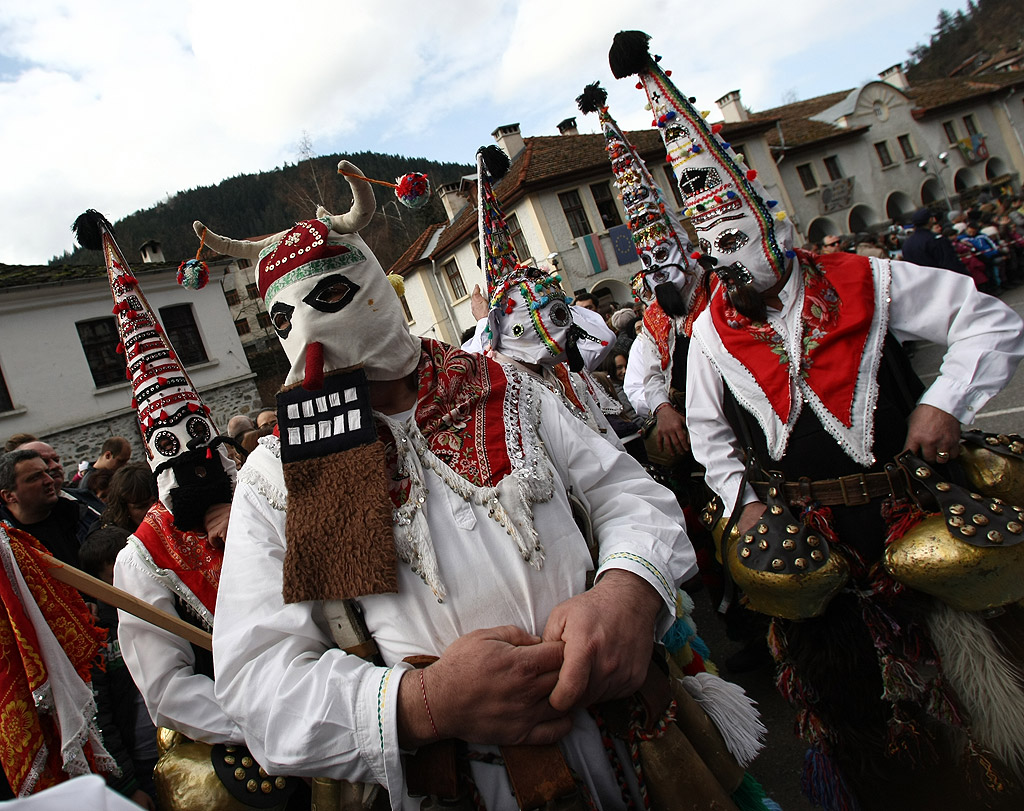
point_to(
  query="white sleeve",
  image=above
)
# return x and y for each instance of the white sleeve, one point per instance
(983, 336)
(162, 664)
(638, 524)
(712, 441)
(656, 381)
(476, 343)
(306, 707)
(593, 352)
(633, 383)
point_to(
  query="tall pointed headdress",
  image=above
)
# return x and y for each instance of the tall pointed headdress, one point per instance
(179, 435)
(530, 297)
(660, 241)
(739, 227)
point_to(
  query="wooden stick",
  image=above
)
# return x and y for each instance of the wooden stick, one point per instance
(368, 179)
(126, 602)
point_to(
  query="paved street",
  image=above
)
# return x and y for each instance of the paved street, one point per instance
(779, 766)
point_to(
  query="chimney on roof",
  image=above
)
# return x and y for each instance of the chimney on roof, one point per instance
(895, 76)
(732, 108)
(510, 139)
(451, 198)
(568, 127)
(151, 251)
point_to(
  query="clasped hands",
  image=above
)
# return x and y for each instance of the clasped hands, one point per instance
(505, 686)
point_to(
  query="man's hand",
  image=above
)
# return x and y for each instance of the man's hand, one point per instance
(490, 687)
(750, 515)
(478, 304)
(608, 634)
(215, 522)
(672, 435)
(933, 434)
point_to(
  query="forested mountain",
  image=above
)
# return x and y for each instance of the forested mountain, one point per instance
(986, 27)
(267, 202)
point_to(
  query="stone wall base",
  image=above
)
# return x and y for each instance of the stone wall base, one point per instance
(83, 443)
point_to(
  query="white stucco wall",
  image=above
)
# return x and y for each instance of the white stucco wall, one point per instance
(45, 367)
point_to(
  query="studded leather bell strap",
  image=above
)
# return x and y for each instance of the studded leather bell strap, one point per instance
(780, 543)
(246, 780)
(970, 516)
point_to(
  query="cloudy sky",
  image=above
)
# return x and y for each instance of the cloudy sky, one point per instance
(117, 104)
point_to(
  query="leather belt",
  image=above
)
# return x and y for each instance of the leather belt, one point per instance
(850, 491)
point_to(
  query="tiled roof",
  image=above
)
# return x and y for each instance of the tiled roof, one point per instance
(939, 94)
(795, 121)
(415, 251)
(801, 129)
(550, 160)
(12, 276)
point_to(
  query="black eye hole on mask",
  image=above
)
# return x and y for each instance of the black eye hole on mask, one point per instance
(559, 314)
(695, 181)
(281, 318)
(731, 240)
(331, 293)
(518, 330)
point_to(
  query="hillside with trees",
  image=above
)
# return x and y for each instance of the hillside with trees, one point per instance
(265, 203)
(980, 32)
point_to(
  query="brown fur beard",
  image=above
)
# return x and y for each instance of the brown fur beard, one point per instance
(338, 527)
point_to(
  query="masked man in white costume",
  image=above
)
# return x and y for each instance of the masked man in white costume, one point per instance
(173, 559)
(795, 374)
(668, 283)
(529, 320)
(420, 492)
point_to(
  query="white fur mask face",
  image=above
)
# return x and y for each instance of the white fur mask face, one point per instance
(340, 299)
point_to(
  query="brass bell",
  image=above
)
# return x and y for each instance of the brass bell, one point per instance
(967, 577)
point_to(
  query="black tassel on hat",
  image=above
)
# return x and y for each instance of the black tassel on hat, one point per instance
(592, 98)
(629, 53)
(496, 162)
(87, 229)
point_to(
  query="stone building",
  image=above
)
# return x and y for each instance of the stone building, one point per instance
(61, 377)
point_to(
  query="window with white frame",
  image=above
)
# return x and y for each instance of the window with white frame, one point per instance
(572, 206)
(515, 231)
(455, 283)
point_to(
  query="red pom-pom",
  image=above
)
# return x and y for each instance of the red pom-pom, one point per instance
(668, 73)
(119, 349)
(716, 128)
(135, 403)
(639, 85)
(695, 255)
(751, 174)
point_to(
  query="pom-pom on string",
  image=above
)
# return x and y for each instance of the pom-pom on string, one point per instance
(412, 190)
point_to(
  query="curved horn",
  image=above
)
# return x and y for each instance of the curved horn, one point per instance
(240, 248)
(363, 202)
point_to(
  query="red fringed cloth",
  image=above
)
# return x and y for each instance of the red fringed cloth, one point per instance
(30, 741)
(460, 410)
(190, 555)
